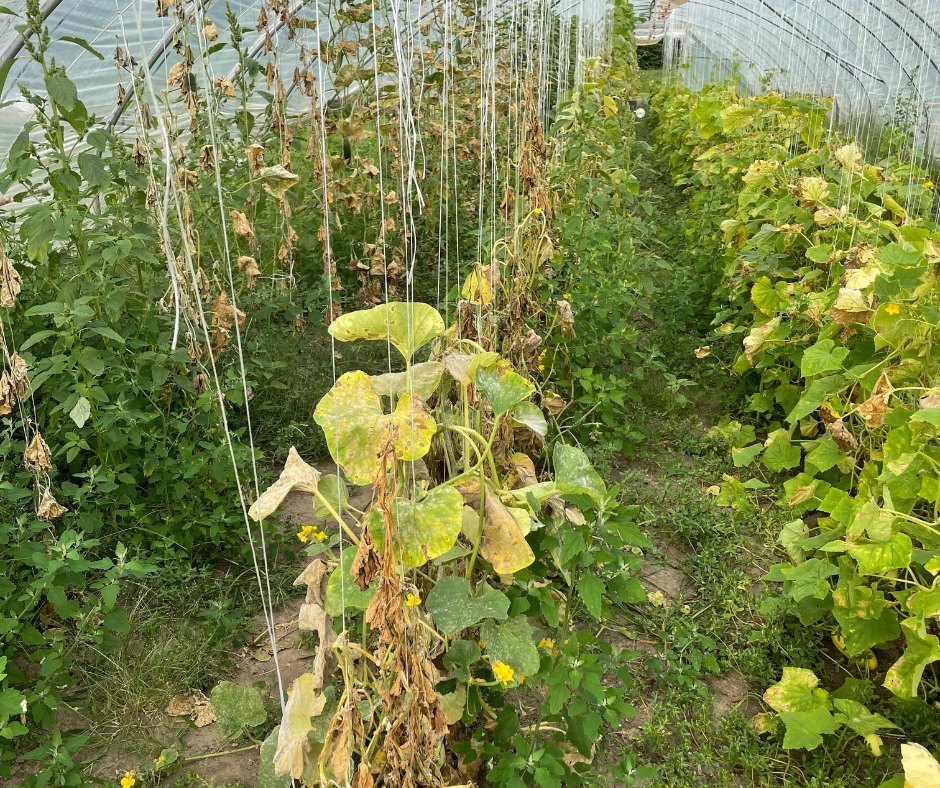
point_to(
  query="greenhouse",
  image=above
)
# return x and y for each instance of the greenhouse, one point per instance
(470, 393)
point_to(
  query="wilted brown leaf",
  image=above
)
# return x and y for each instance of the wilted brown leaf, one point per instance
(7, 393)
(255, 156)
(11, 282)
(874, 408)
(315, 576)
(313, 618)
(249, 266)
(177, 72)
(930, 400)
(224, 314)
(240, 225)
(207, 157)
(49, 507)
(554, 404)
(19, 374)
(209, 30)
(843, 438)
(193, 704)
(38, 454)
(187, 179)
(565, 316)
(297, 475)
(225, 85)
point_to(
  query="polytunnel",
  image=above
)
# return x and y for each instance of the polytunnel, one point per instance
(453, 393)
(878, 59)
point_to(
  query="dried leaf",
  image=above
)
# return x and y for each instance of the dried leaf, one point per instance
(255, 157)
(554, 404)
(293, 744)
(874, 408)
(225, 85)
(193, 704)
(11, 282)
(315, 577)
(187, 179)
(249, 266)
(565, 316)
(224, 314)
(7, 394)
(49, 507)
(177, 72)
(209, 30)
(297, 475)
(313, 618)
(38, 454)
(240, 225)
(930, 400)
(19, 375)
(843, 438)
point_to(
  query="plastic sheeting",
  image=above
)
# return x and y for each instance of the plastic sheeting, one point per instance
(106, 24)
(878, 59)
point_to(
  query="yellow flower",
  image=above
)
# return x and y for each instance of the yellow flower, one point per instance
(566, 296)
(537, 212)
(503, 672)
(521, 679)
(548, 643)
(541, 366)
(128, 780)
(160, 760)
(481, 644)
(305, 533)
(893, 309)
(412, 600)
(319, 535)
(928, 185)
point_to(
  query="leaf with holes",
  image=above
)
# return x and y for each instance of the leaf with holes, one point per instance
(407, 326)
(454, 608)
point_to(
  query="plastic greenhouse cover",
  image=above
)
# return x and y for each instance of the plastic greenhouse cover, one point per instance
(106, 24)
(138, 30)
(872, 56)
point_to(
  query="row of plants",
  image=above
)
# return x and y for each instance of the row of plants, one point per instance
(454, 614)
(136, 297)
(828, 262)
